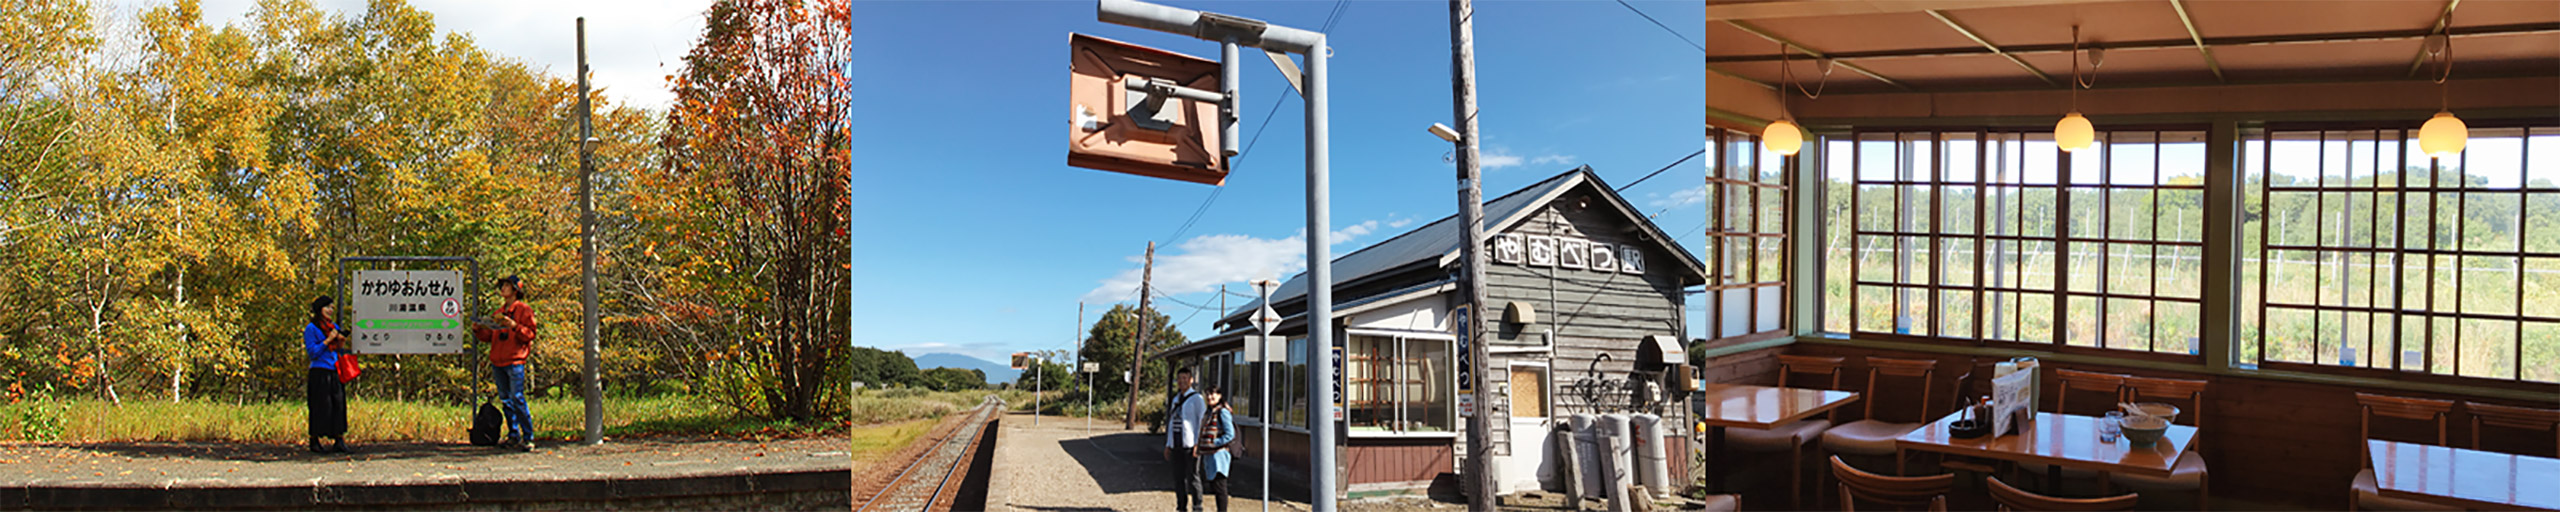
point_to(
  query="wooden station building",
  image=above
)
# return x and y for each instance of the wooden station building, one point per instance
(1584, 297)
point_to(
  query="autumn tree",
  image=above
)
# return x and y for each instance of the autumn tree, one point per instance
(749, 208)
(1108, 342)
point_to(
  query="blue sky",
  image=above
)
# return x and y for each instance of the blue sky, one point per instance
(972, 235)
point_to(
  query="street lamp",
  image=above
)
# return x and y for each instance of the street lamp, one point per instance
(1444, 132)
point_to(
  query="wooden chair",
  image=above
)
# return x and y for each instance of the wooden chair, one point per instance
(2190, 472)
(2512, 417)
(2012, 499)
(1899, 491)
(2363, 493)
(1871, 435)
(2093, 385)
(1793, 437)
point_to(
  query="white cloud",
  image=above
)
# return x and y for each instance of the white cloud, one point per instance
(1204, 262)
(1684, 197)
(1497, 157)
(631, 44)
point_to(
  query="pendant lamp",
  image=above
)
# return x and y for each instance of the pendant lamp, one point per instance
(1783, 136)
(2444, 135)
(2073, 132)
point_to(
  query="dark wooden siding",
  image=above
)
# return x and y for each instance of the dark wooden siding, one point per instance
(1377, 460)
(1591, 312)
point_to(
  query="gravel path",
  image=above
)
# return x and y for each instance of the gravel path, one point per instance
(1058, 466)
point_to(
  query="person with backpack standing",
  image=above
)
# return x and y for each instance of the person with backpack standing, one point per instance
(1218, 429)
(1182, 443)
(324, 395)
(510, 347)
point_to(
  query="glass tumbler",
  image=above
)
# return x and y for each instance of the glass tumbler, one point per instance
(2110, 426)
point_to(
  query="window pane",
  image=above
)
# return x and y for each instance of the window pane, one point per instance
(1955, 308)
(2177, 327)
(1426, 376)
(2488, 348)
(1914, 265)
(1875, 309)
(2036, 318)
(2082, 327)
(2542, 345)
(1913, 311)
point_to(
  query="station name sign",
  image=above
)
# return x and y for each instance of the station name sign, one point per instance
(406, 312)
(1566, 253)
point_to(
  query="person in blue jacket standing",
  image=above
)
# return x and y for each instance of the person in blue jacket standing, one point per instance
(1217, 430)
(324, 395)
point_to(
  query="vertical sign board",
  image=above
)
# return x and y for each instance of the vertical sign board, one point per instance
(407, 312)
(1337, 383)
(1466, 363)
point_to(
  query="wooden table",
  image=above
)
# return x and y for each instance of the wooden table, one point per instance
(2058, 441)
(2471, 479)
(1747, 406)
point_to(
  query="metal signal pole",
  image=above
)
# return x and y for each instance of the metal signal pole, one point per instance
(1462, 63)
(1245, 32)
(593, 387)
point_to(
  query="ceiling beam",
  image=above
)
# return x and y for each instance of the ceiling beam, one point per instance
(2190, 22)
(2441, 20)
(1778, 10)
(1730, 74)
(2338, 37)
(1968, 34)
(1747, 27)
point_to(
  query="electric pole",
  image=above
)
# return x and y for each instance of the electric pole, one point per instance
(1138, 348)
(1462, 78)
(594, 388)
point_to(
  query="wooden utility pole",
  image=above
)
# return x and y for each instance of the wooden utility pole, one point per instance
(1479, 480)
(1138, 349)
(591, 386)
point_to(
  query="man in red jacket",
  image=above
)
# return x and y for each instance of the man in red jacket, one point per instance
(510, 345)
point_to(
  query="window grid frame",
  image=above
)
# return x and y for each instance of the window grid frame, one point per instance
(1725, 175)
(2435, 251)
(2062, 237)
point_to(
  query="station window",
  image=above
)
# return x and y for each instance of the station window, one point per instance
(1398, 384)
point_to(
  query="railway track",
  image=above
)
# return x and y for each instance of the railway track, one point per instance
(931, 481)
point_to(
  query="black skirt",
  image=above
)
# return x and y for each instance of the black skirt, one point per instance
(327, 399)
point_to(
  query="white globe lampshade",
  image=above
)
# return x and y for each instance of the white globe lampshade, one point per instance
(2073, 133)
(2443, 136)
(1783, 138)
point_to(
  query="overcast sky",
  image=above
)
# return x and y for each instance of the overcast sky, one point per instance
(632, 44)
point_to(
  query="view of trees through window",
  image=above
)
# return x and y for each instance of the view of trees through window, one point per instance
(1984, 235)
(2360, 251)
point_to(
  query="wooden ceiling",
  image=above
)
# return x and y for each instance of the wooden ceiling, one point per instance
(1993, 45)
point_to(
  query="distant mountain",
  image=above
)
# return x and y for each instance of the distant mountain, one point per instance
(996, 372)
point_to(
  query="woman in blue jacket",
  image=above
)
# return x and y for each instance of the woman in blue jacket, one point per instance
(1217, 430)
(323, 394)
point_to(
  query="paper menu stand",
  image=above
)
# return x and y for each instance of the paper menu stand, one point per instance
(2010, 396)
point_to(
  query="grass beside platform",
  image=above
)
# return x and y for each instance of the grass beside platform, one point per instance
(390, 420)
(874, 441)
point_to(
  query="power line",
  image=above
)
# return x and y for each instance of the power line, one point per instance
(1339, 7)
(1685, 159)
(1665, 28)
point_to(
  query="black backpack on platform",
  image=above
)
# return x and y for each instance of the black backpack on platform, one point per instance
(485, 423)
